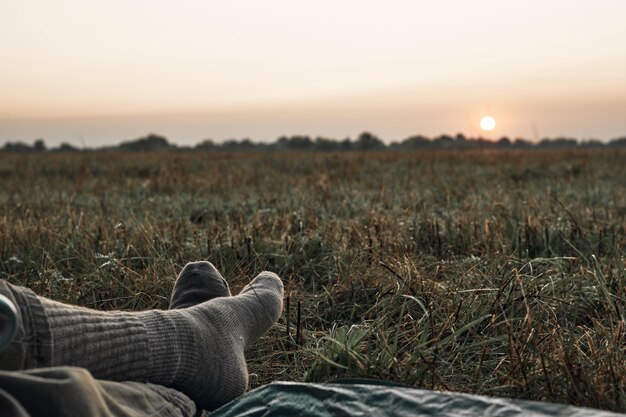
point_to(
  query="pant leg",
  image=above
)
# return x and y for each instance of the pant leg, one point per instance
(32, 345)
(67, 391)
(73, 392)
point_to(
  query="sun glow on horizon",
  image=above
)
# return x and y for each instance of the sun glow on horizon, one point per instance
(487, 123)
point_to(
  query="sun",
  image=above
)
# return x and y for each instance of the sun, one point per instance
(487, 123)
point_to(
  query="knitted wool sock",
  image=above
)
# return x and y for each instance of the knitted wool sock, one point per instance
(198, 350)
(198, 282)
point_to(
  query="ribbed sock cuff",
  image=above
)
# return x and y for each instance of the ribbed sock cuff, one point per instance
(164, 338)
(111, 345)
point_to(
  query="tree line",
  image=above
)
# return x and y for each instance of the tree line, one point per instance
(366, 141)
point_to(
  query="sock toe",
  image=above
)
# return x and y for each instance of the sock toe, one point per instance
(198, 282)
(266, 281)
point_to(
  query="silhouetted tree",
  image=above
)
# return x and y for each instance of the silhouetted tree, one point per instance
(206, 145)
(66, 147)
(327, 145)
(346, 145)
(299, 143)
(444, 142)
(461, 142)
(238, 146)
(17, 147)
(152, 142)
(618, 143)
(592, 144)
(557, 143)
(368, 142)
(415, 142)
(39, 145)
(521, 143)
(503, 143)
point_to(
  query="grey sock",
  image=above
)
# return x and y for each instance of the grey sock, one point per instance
(198, 282)
(198, 350)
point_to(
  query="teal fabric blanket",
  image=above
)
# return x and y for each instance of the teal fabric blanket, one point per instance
(377, 398)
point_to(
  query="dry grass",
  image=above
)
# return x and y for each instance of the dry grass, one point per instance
(492, 273)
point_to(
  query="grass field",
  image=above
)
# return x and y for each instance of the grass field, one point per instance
(492, 273)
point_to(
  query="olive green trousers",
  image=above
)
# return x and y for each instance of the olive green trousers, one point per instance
(69, 392)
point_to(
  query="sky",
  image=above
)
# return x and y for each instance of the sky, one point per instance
(93, 73)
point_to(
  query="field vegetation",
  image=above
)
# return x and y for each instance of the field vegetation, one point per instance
(492, 272)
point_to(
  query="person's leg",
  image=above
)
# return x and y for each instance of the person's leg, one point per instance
(197, 350)
(68, 392)
(31, 348)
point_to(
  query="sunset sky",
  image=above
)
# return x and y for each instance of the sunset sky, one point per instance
(94, 73)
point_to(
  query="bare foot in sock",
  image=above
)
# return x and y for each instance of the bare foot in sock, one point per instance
(198, 350)
(198, 282)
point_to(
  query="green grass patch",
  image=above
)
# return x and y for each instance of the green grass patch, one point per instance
(498, 273)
